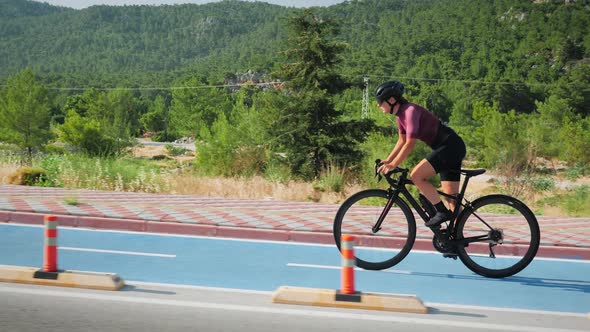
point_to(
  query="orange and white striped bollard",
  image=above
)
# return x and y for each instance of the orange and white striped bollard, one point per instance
(50, 250)
(348, 263)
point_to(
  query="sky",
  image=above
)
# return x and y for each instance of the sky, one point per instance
(79, 4)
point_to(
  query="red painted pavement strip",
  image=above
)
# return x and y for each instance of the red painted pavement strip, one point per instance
(552, 251)
(5, 216)
(112, 223)
(179, 228)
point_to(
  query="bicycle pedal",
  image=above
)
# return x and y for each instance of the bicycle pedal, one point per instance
(453, 256)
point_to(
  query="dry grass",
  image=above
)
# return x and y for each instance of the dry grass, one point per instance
(252, 188)
(140, 151)
(243, 188)
(184, 182)
(7, 170)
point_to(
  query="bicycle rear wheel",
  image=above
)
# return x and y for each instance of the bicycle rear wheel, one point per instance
(385, 248)
(506, 235)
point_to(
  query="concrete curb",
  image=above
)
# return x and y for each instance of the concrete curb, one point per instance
(549, 251)
(75, 279)
(366, 301)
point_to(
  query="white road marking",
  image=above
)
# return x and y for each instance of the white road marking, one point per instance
(282, 310)
(135, 253)
(331, 267)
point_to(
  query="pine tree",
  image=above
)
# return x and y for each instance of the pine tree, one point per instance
(25, 113)
(308, 129)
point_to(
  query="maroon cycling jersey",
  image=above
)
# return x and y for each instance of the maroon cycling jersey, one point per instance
(414, 121)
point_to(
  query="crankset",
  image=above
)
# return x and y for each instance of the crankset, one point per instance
(441, 243)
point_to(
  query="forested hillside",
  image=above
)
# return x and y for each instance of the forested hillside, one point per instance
(511, 76)
(130, 45)
(501, 40)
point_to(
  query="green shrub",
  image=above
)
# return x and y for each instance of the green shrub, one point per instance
(526, 185)
(576, 172)
(249, 160)
(332, 178)
(160, 157)
(165, 136)
(227, 151)
(91, 136)
(575, 202)
(29, 176)
(501, 139)
(377, 146)
(119, 174)
(216, 152)
(543, 184)
(51, 163)
(277, 171)
(175, 151)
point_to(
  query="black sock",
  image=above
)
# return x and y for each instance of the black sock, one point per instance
(440, 207)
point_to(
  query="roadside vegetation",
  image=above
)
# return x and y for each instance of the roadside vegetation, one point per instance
(296, 131)
(142, 170)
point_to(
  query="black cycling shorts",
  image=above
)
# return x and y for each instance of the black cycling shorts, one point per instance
(447, 156)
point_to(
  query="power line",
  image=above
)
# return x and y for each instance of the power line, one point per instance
(441, 80)
(365, 80)
(268, 84)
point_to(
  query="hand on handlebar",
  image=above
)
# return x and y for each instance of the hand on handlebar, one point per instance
(385, 168)
(382, 167)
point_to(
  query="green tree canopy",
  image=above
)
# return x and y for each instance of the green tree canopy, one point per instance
(101, 123)
(25, 113)
(308, 128)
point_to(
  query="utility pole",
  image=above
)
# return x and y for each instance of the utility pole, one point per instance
(365, 111)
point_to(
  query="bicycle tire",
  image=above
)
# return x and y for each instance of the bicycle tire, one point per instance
(514, 253)
(358, 214)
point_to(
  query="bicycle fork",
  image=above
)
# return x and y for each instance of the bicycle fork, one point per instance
(377, 227)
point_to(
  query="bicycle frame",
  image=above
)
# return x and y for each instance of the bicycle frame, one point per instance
(399, 186)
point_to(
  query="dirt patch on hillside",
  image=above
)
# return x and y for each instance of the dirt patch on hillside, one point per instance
(157, 152)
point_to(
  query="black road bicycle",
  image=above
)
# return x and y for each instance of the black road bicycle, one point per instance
(495, 236)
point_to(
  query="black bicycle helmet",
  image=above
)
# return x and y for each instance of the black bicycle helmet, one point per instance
(389, 89)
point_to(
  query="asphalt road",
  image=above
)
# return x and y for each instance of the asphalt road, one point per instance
(155, 307)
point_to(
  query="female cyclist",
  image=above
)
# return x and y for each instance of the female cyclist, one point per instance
(417, 123)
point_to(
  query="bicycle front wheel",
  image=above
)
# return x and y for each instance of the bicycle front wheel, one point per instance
(389, 245)
(500, 236)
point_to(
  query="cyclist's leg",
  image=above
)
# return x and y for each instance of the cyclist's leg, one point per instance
(420, 175)
(448, 160)
(450, 188)
(445, 160)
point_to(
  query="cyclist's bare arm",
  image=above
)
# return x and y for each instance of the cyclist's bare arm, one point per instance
(396, 149)
(407, 147)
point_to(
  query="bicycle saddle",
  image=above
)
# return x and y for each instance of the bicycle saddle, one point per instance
(473, 172)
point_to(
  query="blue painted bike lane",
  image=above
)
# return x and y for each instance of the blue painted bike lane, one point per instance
(551, 285)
